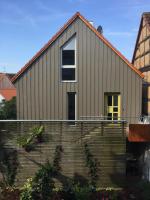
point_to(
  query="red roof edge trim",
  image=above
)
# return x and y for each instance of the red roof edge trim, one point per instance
(111, 46)
(45, 47)
(61, 31)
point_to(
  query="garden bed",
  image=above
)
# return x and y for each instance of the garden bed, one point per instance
(80, 194)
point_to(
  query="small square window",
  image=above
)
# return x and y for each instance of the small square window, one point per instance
(68, 74)
(68, 57)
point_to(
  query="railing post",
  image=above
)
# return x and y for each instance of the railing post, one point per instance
(81, 131)
(102, 128)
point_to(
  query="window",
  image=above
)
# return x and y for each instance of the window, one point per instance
(112, 106)
(68, 60)
(71, 105)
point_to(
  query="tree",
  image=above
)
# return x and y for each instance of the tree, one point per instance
(8, 109)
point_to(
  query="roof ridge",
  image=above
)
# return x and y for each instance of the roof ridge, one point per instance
(113, 48)
(77, 14)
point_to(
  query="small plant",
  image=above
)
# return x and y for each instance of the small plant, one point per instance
(37, 132)
(27, 141)
(92, 164)
(26, 193)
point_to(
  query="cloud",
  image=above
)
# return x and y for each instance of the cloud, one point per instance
(13, 14)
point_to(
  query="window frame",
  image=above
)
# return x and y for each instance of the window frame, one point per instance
(106, 94)
(70, 66)
(75, 96)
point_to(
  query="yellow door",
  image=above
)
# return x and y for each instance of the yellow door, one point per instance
(112, 106)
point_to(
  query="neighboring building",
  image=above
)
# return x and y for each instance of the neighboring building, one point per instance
(7, 89)
(141, 59)
(78, 73)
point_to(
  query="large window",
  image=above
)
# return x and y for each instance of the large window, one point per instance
(68, 60)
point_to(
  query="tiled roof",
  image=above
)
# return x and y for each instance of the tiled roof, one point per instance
(100, 36)
(8, 93)
(7, 77)
(10, 75)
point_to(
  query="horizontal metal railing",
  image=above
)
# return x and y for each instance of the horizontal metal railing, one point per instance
(138, 119)
(90, 120)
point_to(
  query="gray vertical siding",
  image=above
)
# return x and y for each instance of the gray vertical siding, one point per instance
(42, 95)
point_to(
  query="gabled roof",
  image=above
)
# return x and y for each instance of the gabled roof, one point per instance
(10, 75)
(145, 17)
(7, 76)
(8, 94)
(100, 36)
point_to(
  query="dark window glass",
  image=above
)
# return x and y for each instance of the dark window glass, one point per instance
(109, 116)
(68, 74)
(115, 116)
(115, 100)
(71, 106)
(109, 100)
(68, 57)
(115, 109)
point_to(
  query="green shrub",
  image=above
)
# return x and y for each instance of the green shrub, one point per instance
(41, 186)
(144, 187)
(8, 166)
(81, 193)
(57, 157)
(93, 166)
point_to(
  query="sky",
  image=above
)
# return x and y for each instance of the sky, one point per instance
(26, 25)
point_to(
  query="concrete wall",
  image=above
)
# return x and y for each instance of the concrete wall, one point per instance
(107, 143)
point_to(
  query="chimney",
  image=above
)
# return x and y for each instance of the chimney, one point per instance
(100, 29)
(91, 22)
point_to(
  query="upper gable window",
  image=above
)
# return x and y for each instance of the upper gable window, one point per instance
(68, 60)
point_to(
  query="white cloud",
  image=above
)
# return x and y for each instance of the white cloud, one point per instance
(13, 14)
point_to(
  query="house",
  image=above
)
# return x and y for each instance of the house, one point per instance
(7, 89)
(78, 74)
(139, 133)
(141, 59)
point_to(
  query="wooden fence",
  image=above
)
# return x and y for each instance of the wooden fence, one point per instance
(106, 141)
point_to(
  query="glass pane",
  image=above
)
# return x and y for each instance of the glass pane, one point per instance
(109, 116)
(68, 74)
(115, 116)
(70, 44)
(109, 100)
(115, 109)
(71, 106)
(68, 57)
(115, 100)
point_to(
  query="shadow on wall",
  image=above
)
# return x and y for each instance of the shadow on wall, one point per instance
(8, 162)
(118, 175)
(74, 162)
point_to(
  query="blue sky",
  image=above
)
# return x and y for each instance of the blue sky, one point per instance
(25, 26)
